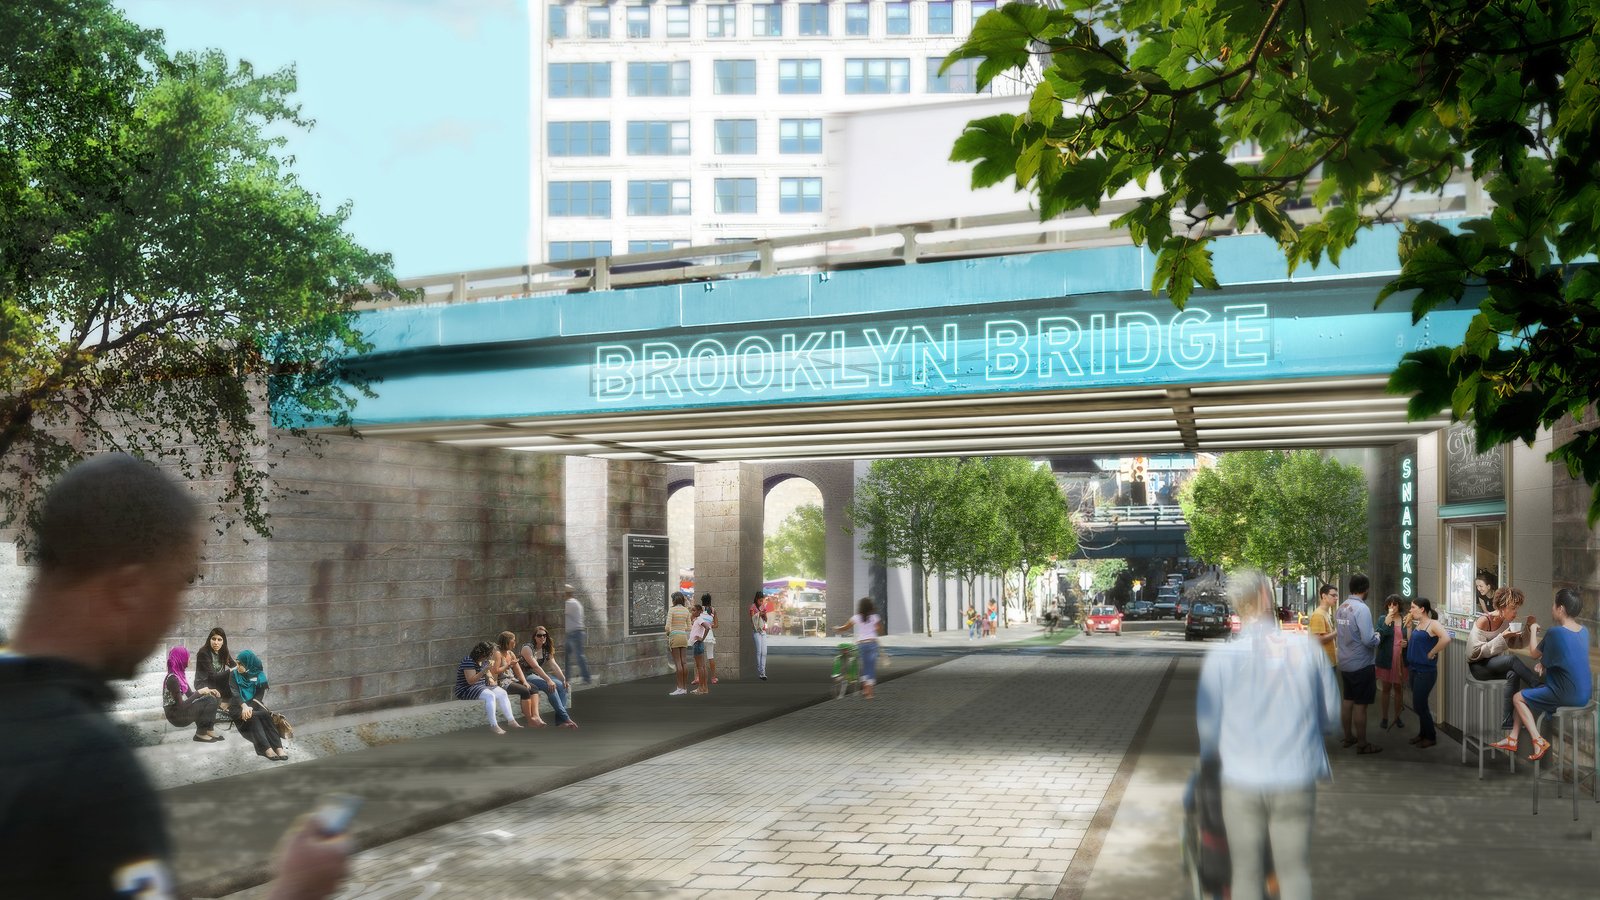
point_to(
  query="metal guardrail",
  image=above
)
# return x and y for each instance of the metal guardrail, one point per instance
(1138, 515)
(994, 234)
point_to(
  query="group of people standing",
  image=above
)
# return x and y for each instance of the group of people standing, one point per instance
(225, 685)
(692, 634)
(984, 624)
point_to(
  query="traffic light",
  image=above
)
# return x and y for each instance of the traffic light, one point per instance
(1140, 464)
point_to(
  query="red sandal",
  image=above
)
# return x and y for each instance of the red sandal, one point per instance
(1540, 748)
(1509, 745)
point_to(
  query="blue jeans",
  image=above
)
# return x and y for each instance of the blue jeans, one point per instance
(869, 661)
(558, 696)
(575, 649)
(1422, 682)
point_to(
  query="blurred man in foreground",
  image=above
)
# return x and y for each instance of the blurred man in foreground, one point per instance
(1265, 702)
(118, 544)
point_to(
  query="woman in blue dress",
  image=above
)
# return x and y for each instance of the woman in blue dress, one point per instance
(1563, 657)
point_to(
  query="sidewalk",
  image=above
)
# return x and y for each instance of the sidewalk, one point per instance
(225, 830)
(1403, 823)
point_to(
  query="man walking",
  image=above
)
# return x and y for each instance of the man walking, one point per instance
(575, 637)
(1358, 671)
(1265, 702)
(118, 543)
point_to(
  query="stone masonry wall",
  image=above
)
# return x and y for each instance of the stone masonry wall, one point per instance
(1576, 546)
(389, 560)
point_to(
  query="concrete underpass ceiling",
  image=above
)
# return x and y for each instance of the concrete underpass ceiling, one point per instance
(1341, 412)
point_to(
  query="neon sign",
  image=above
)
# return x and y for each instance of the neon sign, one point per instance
(1040, 352)
(1408, 527)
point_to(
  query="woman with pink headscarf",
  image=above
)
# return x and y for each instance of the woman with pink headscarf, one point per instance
(188, 707)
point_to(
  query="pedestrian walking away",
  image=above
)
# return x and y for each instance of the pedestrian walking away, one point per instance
(117, 544)
(1264, 704)
(576, 635)
(867, 627)
(1357, 662)
(758, 630)
(1424, 641)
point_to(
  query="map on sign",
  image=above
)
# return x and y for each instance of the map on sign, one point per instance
(645, 582)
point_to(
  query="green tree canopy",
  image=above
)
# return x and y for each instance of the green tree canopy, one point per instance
(907, 511)
(1345, 107)
(1272, 510)
(799, 546)
(1037, 525)
(161, 268)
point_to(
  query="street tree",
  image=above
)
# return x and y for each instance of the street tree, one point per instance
(906, 513)
(982, 552)
(1296, 512)
(162, 271)
(1033, 511)
(1223, 505)
(1319, 516)
(1343, 108)
(799, 546)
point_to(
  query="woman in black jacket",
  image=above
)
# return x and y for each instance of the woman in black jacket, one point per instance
(213, 668)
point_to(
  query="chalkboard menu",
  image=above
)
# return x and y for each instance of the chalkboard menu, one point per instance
(644, 582)
(1469, 475)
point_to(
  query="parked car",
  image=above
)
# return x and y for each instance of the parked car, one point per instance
(1208, 620)
(1104, 620)
(1138, 610)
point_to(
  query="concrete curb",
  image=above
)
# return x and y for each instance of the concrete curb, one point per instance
(366, 839)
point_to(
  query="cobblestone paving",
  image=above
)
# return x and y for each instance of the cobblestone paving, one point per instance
(977, 778)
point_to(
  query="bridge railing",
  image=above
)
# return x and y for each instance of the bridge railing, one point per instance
(1109, 516)
(903, 244)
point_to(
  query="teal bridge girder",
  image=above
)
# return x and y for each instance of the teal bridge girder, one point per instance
(1040, 353)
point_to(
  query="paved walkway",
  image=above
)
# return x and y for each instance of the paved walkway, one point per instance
(976, 778)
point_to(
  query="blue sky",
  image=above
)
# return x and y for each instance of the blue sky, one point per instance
(421, 110)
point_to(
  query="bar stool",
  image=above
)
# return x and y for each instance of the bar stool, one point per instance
(1580, 717)
(1481, 699)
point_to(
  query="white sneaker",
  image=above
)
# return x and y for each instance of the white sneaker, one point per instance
(677, 692)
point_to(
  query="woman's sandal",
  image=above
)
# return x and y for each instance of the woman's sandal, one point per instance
(1509, 745)
(1540, 748)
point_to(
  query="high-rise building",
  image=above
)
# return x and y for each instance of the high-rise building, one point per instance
(661, 125)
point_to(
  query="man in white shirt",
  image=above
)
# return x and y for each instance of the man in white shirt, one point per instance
(575, 637)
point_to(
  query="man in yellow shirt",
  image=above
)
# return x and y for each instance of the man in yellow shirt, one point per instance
(1321, 625)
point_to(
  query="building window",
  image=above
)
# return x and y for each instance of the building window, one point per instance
(857, 19)
(658, 138)
(960, 78)
(733, 76)
(638, 21)
(658, 198)
(813, 19)
(655, 246)
(941, 17)
(580, 139)
(722, 21)
(580, 79)
(736, 195)
(677, 21)
(599, 19)
(877, 76)
(558, 22)
(800, 136)
(580, 199)
(799, 195)
(564, 250)
(897, 18)
(799, 76)
(768, 20)
(658, 79)
(736, 137)
(981, 8)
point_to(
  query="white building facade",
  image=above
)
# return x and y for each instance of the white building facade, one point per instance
(661, 125)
